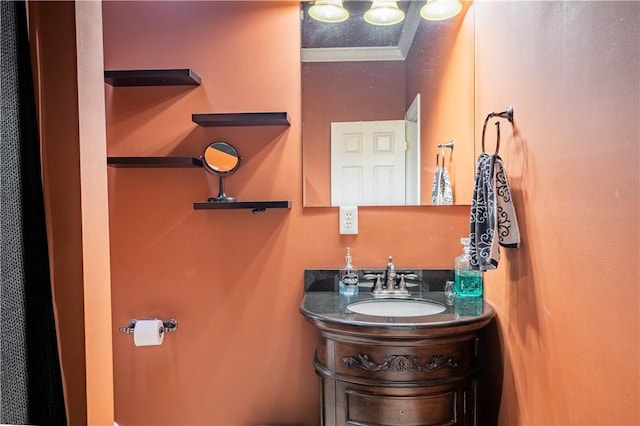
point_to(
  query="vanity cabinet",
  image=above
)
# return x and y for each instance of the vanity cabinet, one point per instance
(376, 371)
(398, 382)
(187, 77)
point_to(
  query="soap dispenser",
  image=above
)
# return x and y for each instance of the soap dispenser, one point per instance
(468, 282)
(348, 285)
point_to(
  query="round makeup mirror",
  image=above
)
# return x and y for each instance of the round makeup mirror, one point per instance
(221, 159)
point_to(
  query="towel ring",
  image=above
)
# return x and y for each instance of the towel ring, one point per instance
(508, 114)
(497, 123)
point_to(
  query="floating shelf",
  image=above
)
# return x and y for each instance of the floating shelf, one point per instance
(151, 162)
(170, 77)
(184, 77)
(242, 119)
(256, 206)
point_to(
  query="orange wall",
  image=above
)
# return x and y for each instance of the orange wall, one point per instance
(66, 43)
(56, 90)
(343, 91)
(243, 353)
(567, 301)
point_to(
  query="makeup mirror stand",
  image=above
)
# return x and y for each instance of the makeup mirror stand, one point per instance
(222, 196)
(221, 159)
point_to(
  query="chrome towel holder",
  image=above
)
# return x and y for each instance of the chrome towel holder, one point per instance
(447, 145)
(168, 326)
(506, 114)
(440, 154)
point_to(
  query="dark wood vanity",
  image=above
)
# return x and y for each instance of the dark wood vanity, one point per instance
(405, 371)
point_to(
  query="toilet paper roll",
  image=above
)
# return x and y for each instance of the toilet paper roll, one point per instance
(148, 333)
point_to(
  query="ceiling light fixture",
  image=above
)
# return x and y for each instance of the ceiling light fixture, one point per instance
(384, 13)
(328, 11)
(437, 10)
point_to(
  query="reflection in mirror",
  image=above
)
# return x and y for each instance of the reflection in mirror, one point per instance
(221, 159)
(399, 90)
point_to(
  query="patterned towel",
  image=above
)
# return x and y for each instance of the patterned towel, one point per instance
(441, 191)
(492, 214)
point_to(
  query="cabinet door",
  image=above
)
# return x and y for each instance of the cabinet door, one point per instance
(378, 406)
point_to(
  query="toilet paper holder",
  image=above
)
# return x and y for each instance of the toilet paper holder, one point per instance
(167, 326)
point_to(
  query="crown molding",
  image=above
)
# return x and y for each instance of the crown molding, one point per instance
(350, 54)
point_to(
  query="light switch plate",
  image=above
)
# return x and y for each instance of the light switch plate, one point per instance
(348, 219)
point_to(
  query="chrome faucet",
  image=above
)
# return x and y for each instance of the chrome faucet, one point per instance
(391, 275)
(391, 286)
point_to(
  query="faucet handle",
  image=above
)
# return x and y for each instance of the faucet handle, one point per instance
(403, 285)
(371, 276)
(408, 275)
(378, 284)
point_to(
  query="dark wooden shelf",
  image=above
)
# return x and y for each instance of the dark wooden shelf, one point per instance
(170, 77)
(151, 162)
(242, 119)
(256, 206)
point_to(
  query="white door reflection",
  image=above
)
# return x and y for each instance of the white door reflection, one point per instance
(368, 163)
(376, 163)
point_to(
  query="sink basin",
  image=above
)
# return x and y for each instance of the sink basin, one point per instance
(396, 307)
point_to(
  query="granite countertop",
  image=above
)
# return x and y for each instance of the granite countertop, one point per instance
(323, 303)
(330, 306)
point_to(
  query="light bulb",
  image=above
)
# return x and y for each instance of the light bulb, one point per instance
(384, 13)
(328, 11)
(437, 10)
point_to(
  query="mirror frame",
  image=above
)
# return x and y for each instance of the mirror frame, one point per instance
(230, 150)
(445, 104)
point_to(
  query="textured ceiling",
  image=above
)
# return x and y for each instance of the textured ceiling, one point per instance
(354, 32)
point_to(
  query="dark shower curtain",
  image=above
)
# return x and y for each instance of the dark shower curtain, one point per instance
(30, 379)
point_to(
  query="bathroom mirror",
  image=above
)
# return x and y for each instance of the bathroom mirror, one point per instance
(221, 159)
(418, 72)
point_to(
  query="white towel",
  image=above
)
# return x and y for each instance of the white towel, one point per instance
(441, 191)
(492, 214)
